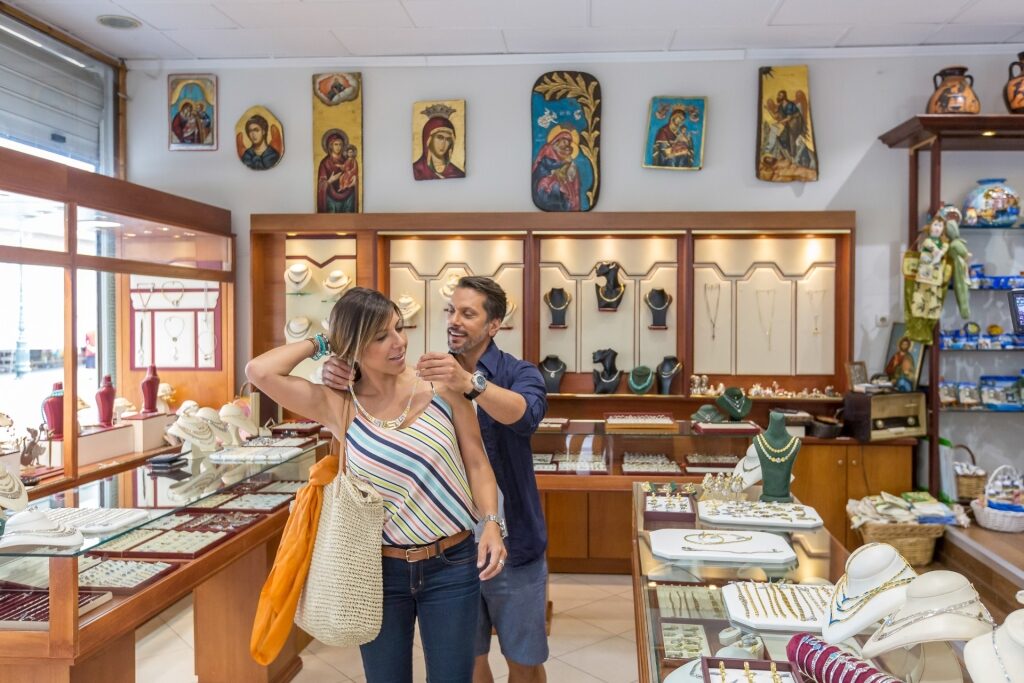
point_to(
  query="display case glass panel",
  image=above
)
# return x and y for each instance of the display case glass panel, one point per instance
(31, 222)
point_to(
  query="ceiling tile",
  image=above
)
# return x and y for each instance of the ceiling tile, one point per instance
(172, 15)
(587, 40)
(421, 41)
(243, 43)
(903, 34)
(375, 14)
(866, 12)
(498, 13)
(767, 37)
(955, 34)
(993, 12)
(69, 16)
(682, 14)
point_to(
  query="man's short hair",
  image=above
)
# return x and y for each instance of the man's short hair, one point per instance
(495, 303)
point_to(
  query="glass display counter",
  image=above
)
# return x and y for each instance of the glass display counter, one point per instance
(687, 609)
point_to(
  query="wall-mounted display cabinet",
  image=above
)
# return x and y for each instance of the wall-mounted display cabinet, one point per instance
(102, 277)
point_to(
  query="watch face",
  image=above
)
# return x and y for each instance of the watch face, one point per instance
(479, 382)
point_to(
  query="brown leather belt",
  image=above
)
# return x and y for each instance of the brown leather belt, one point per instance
(424, 552)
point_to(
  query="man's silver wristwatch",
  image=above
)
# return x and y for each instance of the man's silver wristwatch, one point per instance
(479, 383)
(499, 521)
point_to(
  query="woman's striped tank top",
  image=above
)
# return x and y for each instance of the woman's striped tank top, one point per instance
(418, 470)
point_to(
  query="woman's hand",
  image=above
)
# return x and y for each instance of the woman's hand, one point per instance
(491, 552)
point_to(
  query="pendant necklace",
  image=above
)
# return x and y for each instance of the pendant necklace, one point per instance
(176, 293)
(816, 310)
(671, 372)
(766, 328)
(174, 332)
(712, 316)
(393, 423)
(554, 373)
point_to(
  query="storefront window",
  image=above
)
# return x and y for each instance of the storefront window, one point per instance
(31, 222)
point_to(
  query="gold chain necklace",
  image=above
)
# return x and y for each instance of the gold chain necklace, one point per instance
(394, 423)
(614, 299)
(668, 301)
(568, 300)
(765, 446)
(703, 538)
(842, 608)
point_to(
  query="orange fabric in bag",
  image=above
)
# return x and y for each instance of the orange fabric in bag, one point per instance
(275, 613)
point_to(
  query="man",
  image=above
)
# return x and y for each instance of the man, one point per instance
(511, 400)
(260, 155)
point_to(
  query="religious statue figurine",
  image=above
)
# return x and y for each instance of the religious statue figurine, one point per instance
(942, 254)
(776, 450)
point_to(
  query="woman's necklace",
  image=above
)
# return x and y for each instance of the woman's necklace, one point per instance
(614, 299)
(671, 372)
(712, 315)
(553, 307)
(644, 384)
(176, 293)
(716, 538)
(668, 301)
(767, 448)
(972, 609)
(294, 333)
(394, 423)
(207, 351)
(844, 607)
(145, 290)
(554, 373)
(999, 658)
(816, 310)
(766, 328)
(174, 326)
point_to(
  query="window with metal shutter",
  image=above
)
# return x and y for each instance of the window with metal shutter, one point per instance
(53, 97)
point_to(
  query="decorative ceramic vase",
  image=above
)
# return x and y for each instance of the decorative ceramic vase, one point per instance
(1013, 94)
(53, 411)
(105, 402)
(149, 388)
(953, 92)
(992, 204)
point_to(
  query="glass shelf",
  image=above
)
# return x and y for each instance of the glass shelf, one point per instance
(141, 489)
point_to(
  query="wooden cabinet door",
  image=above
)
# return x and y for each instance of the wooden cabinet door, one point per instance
(568, 522)
(874, 469)
(610, 522)
(820, 472)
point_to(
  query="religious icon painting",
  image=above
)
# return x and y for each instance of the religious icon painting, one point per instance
(338, 142)
(566, 125)
(259, 139)
(675, 133)
(439, 140)
(786, 151)
(192, 112)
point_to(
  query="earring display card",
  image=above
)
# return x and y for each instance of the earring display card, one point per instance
(29, 610)
(777, 606)
(284, 486)
(170, 521)
(175, 323)
(34, 572)
(262, 502)
(757, 514)
(683, 641)
(125, 541)
(123, 576)
(189, 544)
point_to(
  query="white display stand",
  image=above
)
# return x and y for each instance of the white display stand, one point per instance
(759, 621)
(811, 519)
(148, 430)
(761, 548)
(105, 443)
(1008, 666)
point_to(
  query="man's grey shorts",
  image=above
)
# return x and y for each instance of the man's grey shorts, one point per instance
(515, 604)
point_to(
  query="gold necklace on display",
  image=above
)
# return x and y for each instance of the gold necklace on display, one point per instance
(568, 300)
(705, 538)
(767, 447)
(668, 302)
(394, 423)
(615, 298)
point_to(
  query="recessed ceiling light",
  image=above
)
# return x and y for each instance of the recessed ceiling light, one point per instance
(129, 234)
(118, 21)
(988, 133)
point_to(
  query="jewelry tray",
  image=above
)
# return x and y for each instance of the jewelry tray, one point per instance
(672, 657)
(760, 548)
(812, 521)
(787, 623)
(744, 428)
(188, 525)
(307, 428)
(694, 602)
(658, 423)
(90, 520)
(734, 670)
(14, 601)
(125, 590)
(688, 515)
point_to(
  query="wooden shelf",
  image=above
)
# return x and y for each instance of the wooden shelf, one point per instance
(959, 132)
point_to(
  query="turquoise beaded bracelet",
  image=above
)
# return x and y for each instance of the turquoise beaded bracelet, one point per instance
(323, 348)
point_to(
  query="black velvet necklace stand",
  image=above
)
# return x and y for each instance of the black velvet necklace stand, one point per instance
(609, 296)
(607, 379)
(658, 301)
(667, 371)
(553, 369)
(557, 300)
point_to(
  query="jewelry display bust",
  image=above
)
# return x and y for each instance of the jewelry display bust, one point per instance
(221, 429)
(448, 288)
(557, 301)
(999, 656)
(13, 495)
(667, 370)
(658, 300)
(196, 431)
(237, 420)
(296, 277)
(734, 403)
(606, 380)
(874, 586)
(298, 329)
(335, 284)
(776, 450)
(408, 307)
(33, 528)
(640, 380)
(510, 310)
(609, 295)
(553, 368)
(940, 605)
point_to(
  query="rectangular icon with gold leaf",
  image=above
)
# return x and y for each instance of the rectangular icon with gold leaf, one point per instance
(786, 151)
(439, 140)
(338, 142)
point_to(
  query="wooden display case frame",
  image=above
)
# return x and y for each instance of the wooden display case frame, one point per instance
(48, 180)
(374, 231)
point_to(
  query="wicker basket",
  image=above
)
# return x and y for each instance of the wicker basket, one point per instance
(915, 542)
(969, 486)
(997, 520)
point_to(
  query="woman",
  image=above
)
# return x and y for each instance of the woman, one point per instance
(556, 180)
(422, 450)
(332, 196)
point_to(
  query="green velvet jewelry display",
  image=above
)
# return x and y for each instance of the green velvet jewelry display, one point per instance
(776, 450)
(735, 404)
(707, 413)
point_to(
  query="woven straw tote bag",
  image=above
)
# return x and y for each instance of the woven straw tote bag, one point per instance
(342, 601)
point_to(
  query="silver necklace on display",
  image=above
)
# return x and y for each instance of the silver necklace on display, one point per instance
(207, 353)
(298, 334)
(302, 278)
(200, 432)
(816, 310)
(999, 658)
(140, 353)
(554, 373)
(174, 335)
(145, 290)
(766, 329)
(712, 316)
(176, 294)
(892, 626)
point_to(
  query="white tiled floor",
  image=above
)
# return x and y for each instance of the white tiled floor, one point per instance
(592, 640)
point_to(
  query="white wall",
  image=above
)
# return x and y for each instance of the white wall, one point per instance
(853, 101)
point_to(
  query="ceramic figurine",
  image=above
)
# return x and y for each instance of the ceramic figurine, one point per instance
(942, 254)
(992, 204)
(149, 390)
(954, 92)
(53, 411)
(105, 402)
(1013, 93)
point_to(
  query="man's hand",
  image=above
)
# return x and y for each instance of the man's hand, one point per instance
(338, 374)
(443, 369)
